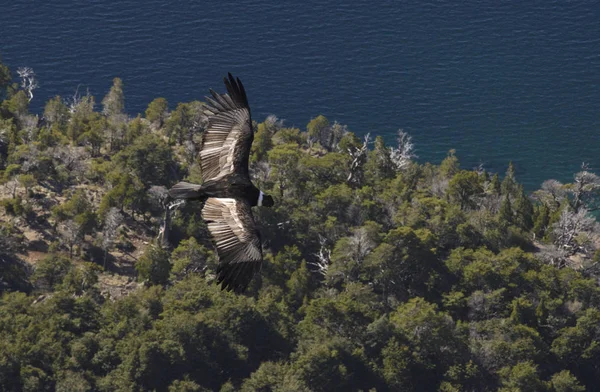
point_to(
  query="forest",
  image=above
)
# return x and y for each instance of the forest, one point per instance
(381, 273)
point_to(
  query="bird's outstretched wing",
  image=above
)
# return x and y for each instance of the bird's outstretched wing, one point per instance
(228, 137)
(233, 231)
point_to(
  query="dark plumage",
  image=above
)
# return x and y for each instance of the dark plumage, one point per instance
(227, 191)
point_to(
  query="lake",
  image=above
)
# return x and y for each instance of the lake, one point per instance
(497, 81)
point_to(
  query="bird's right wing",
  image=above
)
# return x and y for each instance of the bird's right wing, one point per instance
(237, 240)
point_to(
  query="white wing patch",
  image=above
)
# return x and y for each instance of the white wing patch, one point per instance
(227, 131)
(232, 227)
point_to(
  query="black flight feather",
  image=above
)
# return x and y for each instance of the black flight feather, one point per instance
(185, 190)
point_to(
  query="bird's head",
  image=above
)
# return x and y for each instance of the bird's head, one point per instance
(265, 200)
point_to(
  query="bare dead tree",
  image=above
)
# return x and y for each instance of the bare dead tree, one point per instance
(198, 120)
(336, 133)
(111, 223)
(273, 123)
(73, 159)
(157, 195)
(189, 148)
(571, 227)
(586, 189)
(72, 102)
(79, 103)
(259, 172)
(403, 154)
(163, 232)
(323, 258)
(30, 161)
(556, 257)
(359, 156)
(28, 80)
(29, 125)
(12, 186)
(479, 169)
(72, 234)
(439, 186)
(361, 244)
(551, 193)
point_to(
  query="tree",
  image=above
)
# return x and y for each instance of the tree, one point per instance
(127, 192)
(431, 338)
(552, 193)
(5, 80)
(495, 186)
(114, 101)
(273, 376)
(541, 220)
(17, 105)
(154, 266)
(112, 220)
(358, 157)
(81, 109)
(262, 142)
(318, 131)
(509, 183)
(505, 214)
(403, 154)
(523, 210)
(28, 80)
(284, 159)
(585, 190)
(564, 381)
(27, 181)
(92, 135)
(71, 232)
(56, 112)
(50, 271)
(180, 123)
(449, 166)
(157, 111)
(521, 377)
(379, 165)
(571, 232)
(151, 159)
(464, 188)
(189, 257)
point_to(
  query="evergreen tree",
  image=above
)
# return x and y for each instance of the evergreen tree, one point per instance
(157, 111)
(523, 209)
(114, 101)
(495, 186)
(508, 186)
(154, 265)
(505, 214)
(541, 221)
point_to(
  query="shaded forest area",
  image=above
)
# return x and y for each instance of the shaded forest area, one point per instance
(380, 273)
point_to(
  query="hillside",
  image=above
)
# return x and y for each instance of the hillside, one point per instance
(380, 273)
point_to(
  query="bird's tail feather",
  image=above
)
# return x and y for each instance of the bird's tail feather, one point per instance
(185, 190)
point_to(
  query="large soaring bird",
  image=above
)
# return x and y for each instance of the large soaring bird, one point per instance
(226, 190)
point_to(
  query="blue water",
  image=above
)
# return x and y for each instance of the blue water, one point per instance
(497, 81)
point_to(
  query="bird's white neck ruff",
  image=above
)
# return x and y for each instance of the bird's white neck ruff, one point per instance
(260, 198)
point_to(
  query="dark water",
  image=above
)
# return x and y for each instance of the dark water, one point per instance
(497, 81)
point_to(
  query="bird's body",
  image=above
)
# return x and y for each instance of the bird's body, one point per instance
(229, 187)
(227, 191)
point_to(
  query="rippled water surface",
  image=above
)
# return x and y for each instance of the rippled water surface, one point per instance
(496, 81)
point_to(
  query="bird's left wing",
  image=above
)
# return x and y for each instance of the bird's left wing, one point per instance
(237, 240)
(228, 137)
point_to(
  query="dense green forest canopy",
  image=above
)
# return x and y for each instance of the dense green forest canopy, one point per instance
(380, 273)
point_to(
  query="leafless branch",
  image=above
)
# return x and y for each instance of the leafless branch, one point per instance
(358, 155)
(403, 154)
(28, 80)
(323, 257)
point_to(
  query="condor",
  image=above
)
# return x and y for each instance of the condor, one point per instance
(227, 191)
